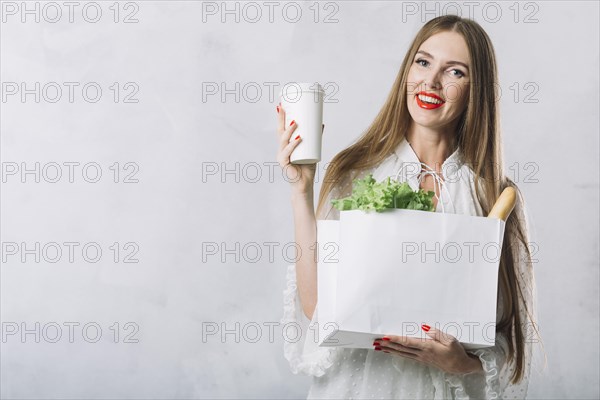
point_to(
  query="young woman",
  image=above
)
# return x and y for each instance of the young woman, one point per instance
(442, 111)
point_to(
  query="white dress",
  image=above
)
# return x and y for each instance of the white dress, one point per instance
(345, 373)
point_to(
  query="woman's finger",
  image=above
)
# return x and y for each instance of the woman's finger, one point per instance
(399, 347)
(286, 152)
(287, 134)
(406, 342)
(400, 353)
(441, 337)
(280, 119)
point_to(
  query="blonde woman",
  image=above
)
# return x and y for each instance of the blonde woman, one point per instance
(442, 115)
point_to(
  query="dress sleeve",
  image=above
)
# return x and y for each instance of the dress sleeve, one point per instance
(486, 385)
(300, 345)
(494, 382)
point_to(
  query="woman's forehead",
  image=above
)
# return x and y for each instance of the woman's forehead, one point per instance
(446, 46)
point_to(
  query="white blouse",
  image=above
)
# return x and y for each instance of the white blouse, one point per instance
(367, 374)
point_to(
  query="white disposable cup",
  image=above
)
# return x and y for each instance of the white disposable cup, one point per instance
(303, 103)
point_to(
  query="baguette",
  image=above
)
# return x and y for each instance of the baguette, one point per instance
(505, 204)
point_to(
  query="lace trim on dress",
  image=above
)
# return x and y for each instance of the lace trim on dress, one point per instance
(314, 361)
(492, 360)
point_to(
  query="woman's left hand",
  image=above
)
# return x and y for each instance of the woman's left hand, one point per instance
(444, 351)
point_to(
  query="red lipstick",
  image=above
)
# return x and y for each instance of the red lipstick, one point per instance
(428, 105)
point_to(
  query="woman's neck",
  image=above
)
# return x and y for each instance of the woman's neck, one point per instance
(431, 146)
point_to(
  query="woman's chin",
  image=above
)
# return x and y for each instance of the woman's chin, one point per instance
(426, 121)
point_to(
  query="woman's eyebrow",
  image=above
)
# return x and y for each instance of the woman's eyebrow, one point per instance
(449, 62)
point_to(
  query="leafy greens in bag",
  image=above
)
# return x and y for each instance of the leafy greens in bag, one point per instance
(367, 194)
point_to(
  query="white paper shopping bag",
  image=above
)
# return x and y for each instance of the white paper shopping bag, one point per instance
(394, 270)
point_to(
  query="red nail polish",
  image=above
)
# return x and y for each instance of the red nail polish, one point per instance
(297, 137)
(292, 123)
(277, 109)
(377, 348)
(376, 343)
(425, 327)
(386, 338)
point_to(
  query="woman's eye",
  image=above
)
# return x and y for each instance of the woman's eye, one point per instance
(420, 60)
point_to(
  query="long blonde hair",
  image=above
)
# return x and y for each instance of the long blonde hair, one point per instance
(479, 140)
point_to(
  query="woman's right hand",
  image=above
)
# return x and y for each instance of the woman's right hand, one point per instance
(300, 176)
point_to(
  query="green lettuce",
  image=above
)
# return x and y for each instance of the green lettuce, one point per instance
(369, 195)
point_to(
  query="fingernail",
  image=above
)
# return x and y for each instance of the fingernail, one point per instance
(377, 348)
(297, 137)
(386, 338)
(277, 109)
(376, 343)
(425, 327)
(292, 123)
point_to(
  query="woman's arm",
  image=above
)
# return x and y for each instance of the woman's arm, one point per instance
(302, 179)
(305, 232)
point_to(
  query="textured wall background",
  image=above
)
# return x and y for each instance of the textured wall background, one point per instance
(185, 212)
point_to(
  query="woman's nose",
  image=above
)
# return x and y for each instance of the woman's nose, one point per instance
(433, 81)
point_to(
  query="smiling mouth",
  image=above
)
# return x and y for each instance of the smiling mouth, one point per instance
(427, 102)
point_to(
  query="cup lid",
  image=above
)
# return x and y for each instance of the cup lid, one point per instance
(294, 87)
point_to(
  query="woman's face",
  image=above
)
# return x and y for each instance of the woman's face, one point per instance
(440, 69)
